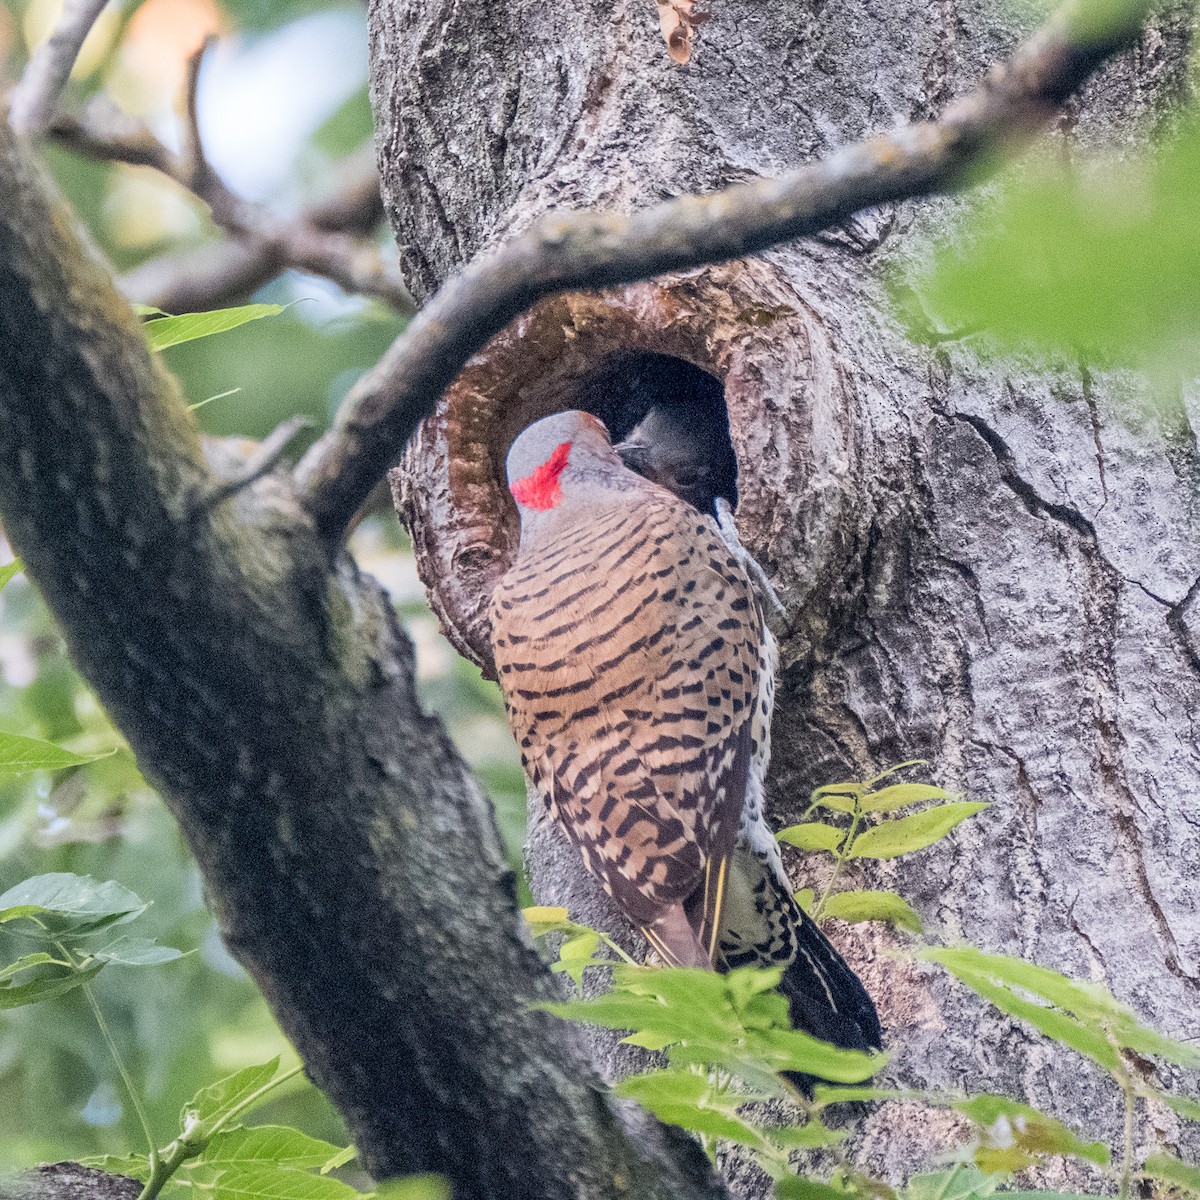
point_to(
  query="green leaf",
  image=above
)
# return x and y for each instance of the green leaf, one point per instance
(576, 954)
(1133, 1035)
(744, 985)
(134, 1166)
(649, 1041)
(1101, 263)
(415, 1187)
(25, 962)
(9, 570)
(812, 835)
(806, 898)
(796, 1187)
(61, 905)
(1181, 1104)
(806, 1137)
(172, 331)
(1044, 1196)
(1167, 1167)
(581, 947)
(279, 1183)
(840, 797)
(1093, 1004)
(137, 952)
(759, 1081)
(265, 1144)
(957, 1183)
(1055, 1024)
(219, 1101)
(1088, 1001)
(687, 1099)
(795, 1050)
(615, 1011)
(890, 839)
(19, 755)
(873, 906)
(672, 1003)
(148, 310)
(702, 997)
(836, 802)
(45, 987)
(543, 920)
(1014, 1135)
(899, 795)
(340, 1159)
(849, 787)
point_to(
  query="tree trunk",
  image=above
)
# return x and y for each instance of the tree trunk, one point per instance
(267, 690)
(996, 569)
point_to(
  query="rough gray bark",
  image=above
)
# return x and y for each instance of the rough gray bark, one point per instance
(68, 1181)
(997, 569)
(267, 690)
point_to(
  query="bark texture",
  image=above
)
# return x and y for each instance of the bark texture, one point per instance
(994, 568)
(69, 1181)
(268, 691)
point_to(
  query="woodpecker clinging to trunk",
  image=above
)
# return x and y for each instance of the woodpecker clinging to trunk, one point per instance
(639, 675)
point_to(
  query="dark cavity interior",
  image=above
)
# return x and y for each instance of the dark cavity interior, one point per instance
(676, 414)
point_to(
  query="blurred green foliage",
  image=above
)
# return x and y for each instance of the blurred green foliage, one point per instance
(187, 1022)
(1098, 261)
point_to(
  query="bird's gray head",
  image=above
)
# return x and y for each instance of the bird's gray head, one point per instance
(568, 448)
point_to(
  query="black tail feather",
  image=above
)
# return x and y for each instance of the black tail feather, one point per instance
(825, 997)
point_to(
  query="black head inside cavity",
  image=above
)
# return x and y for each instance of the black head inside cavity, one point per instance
(669, 423)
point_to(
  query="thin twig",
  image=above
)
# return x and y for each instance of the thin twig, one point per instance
(318, 240)
(1130, 1098)
(35, 99)
(227, 272)
(193, 146)
(589, 250)
(262, 459)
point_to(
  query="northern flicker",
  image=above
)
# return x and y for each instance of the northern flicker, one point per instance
(638, 675)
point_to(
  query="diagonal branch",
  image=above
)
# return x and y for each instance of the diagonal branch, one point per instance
(588, 250)
(36, 97)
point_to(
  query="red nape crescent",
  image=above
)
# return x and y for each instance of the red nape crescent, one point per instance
(541, 489)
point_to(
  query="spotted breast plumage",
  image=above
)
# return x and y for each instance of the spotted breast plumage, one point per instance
(638, 675)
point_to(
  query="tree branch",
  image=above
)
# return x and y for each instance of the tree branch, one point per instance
(588, 250)
(36, 97)
(228, 271)
(352, 863)
(318, 240)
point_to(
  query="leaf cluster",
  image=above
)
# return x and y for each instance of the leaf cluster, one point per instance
(214, 1156)
(729, 1045)
(62, 913)
(728, 1041)
(872, 829)
(1098, 260)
